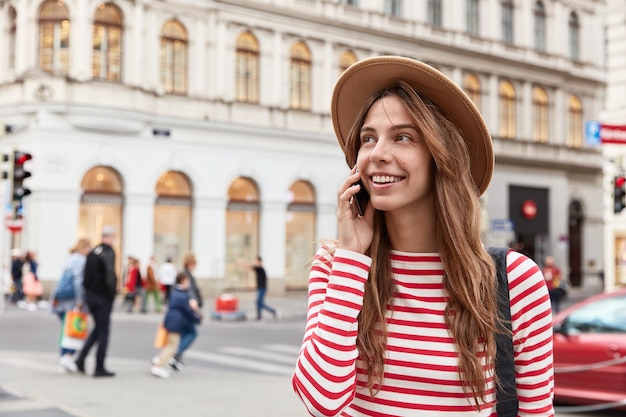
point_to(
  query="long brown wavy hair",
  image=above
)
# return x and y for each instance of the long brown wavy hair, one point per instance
(469, 279)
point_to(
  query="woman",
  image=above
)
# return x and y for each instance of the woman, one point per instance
(75, 263)
(33, 288)
(403, 306)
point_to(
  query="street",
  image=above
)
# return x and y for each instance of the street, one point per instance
(235, 368)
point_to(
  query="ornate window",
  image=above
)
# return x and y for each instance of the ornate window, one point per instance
(507, 21)
(300, 77)
(574, 37)
(174, 58)
(107, 43)
(540, 26)
(507, 110)
(434, 13)
(345, 60)
(575, 122)
(471, 85)
(54, 37)
(472, 17)
(540, 115)
(247, 68)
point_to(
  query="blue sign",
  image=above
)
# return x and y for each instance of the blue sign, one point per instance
(501, 225)
(592, 133)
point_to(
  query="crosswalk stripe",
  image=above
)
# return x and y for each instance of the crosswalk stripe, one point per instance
(259, 354)
(287, 349)
(238, 362)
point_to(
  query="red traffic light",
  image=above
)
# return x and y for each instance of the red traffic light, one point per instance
(22, 157)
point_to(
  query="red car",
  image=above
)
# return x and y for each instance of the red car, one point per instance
(590, 351)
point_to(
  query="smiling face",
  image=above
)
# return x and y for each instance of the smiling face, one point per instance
(395, 163)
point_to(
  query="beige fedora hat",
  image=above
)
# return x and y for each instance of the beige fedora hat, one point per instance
(365, 78)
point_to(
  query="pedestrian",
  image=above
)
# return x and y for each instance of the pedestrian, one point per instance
(100, 284)
(31, 286)
(261, 290)
(151, 287)
(179, 315)
(403, 313)
(74, 268)
(16, 275)
(554, 282)
(189, 331)
(167, 277)
(133, 287)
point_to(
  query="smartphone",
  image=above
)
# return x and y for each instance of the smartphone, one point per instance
(361, 199)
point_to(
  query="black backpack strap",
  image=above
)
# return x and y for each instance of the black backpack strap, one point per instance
(507, 403)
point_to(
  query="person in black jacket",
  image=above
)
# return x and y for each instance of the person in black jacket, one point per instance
(100, 283)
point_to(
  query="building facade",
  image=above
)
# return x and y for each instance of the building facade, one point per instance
(615, 153)
(204, 127)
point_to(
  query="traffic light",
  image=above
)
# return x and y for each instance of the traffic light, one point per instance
(6, 173)
(18, 176)
(619, 194)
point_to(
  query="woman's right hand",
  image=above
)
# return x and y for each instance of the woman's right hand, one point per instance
(355, 232)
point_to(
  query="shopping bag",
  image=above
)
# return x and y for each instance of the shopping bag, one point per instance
(160, 339)
(76, 324)
(79, 321)
(31, 285)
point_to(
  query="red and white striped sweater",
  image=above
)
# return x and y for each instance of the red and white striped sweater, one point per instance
(421, 365)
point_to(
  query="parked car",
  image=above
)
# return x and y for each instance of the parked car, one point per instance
(590, 351)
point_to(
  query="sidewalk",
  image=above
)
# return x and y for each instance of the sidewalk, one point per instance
(34, 387)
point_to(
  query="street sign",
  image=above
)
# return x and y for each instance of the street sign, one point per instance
(592, 132)
(615, 134)
(501, 225)
(14, 225)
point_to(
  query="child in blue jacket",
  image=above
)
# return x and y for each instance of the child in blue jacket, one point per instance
(179, 313)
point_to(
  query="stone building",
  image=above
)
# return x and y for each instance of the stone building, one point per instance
(203, 126)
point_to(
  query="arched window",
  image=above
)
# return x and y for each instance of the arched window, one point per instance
(507, 110)
(107, 43)
(345, 60)
(300, 233)
(242, 231)
(101, 205)
(434, 13)
(507, 16)
(12, 37)
(575, 122)
(247, 68)
(300, 77)
(540, 26)
(54, 37)
(172, 217)
(540, 115)
(471, 85)
(574, 37)
(472, 17)
(174, 58)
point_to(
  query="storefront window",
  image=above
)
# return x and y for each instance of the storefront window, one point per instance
(242, 232)
(620, 260)
(300, 234)
(101, 204)
(172, 218)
